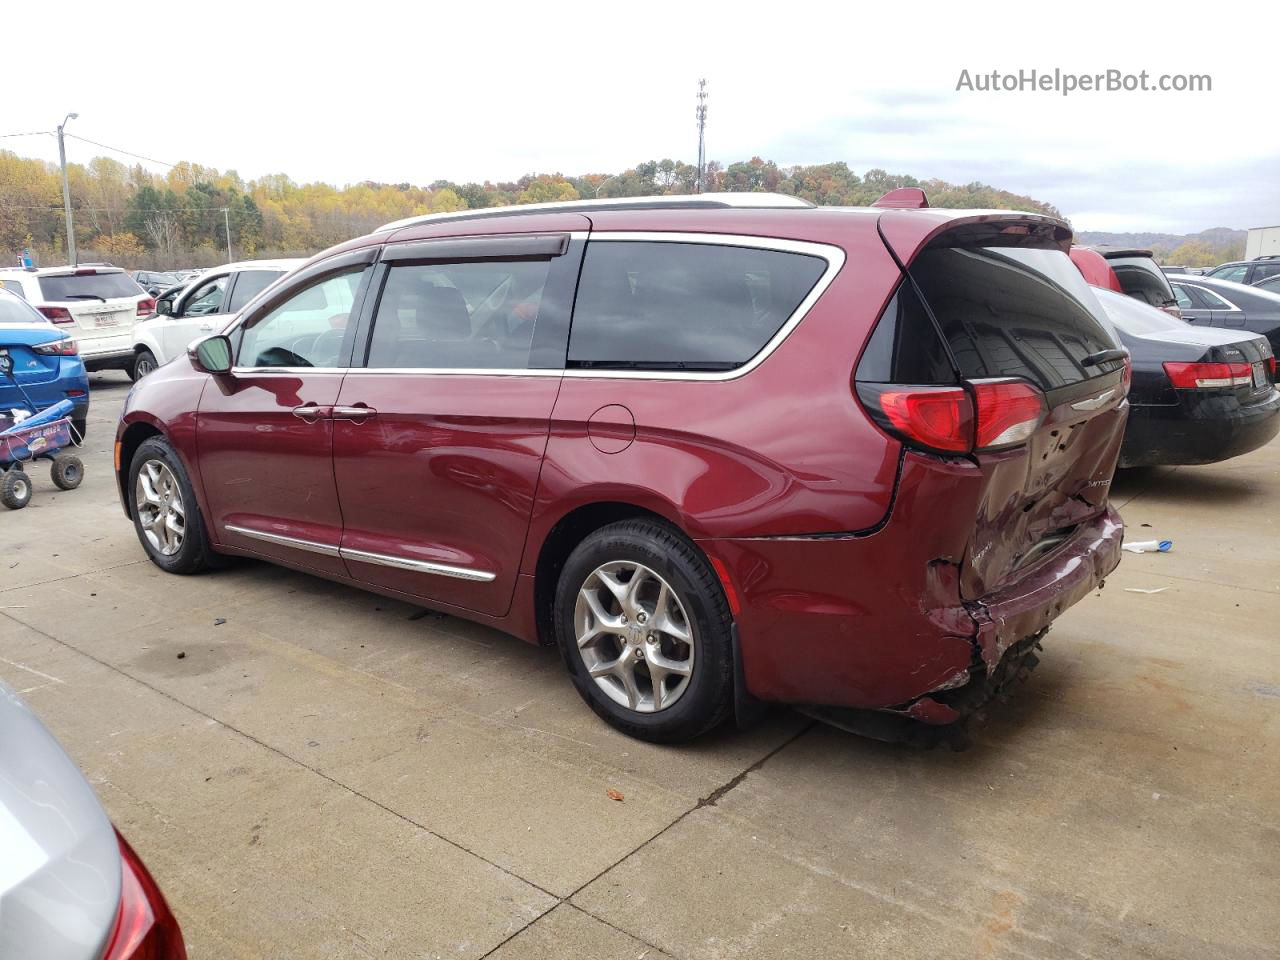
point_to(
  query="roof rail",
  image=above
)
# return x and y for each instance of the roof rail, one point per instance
(757, 201)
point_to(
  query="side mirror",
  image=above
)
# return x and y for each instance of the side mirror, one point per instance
(164, 307)
(211, 354)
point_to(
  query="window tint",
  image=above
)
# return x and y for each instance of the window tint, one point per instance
(1212, 300)
(1004, 311)
(14, 287)
(89, 286)
(250, 283)
(1183, 298)
(1140, 278)
(1263, 270)
(307, 330)
(206, 298)
(473, 315)
(1234, 274)
(689, 306)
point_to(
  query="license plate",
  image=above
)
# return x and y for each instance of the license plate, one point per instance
(1259, 375)
(106, 320)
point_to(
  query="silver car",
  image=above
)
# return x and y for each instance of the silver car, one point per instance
(70, 886)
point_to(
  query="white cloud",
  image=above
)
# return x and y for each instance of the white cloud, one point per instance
(416, 92)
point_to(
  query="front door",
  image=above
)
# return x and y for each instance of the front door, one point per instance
(198, 313)
(439, 436)
(265, 431)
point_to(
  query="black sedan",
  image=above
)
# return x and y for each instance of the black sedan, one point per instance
(1207, 302)
(1198, 395)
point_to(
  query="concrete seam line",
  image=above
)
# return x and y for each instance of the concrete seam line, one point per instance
(71, 576)
(266, 746)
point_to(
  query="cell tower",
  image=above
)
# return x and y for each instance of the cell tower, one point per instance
(702, 132)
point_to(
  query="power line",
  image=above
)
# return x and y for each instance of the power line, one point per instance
(127, 153)
(33, 133)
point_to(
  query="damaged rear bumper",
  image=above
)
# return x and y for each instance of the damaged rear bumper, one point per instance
(877, 622)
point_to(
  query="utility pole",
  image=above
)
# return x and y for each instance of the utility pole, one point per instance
(66, 191)
(226, 219)
(702, 133)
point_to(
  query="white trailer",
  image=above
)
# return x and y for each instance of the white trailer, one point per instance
(1262, 242)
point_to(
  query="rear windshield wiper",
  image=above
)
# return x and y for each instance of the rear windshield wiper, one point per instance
(1102, 356)
(84, 296)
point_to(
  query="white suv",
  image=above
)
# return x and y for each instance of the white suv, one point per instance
(97, 304)
(201, 307)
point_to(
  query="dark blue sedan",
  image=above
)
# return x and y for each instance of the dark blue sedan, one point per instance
(42, 360)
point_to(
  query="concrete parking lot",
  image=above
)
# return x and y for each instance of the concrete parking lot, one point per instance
(315, 772)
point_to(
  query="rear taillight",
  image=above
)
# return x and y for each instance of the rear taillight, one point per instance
(58, 348)
(146, 307)
(144, 927)
(1271, 367)
(936, 418)
(57, 314)
(1008, 412)
(990, 415)
(1208, 376)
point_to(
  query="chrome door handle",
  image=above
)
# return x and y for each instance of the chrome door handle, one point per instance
(311, 412)
(357, 414)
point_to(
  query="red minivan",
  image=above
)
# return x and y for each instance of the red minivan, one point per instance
(719, 449)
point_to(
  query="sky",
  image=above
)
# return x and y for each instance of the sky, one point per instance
(472, 91)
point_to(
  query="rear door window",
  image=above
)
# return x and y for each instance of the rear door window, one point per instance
(683, 306)
(250, 283)
(1263, 270)
(475, 314)
(1003, 311)
(89, 286)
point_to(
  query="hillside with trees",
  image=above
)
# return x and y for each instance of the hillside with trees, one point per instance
(136, 218)
(1208, 248)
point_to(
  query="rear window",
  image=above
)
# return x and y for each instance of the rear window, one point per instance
(683, 306)
(89, 286)
(1141, 279)
(13, 310)
(249, 284)
(1004, 312)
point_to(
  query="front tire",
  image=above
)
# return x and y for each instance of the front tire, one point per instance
(644, 628)
(144, 362)
(166, 516)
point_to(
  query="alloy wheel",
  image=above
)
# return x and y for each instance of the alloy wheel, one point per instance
(635, 638)
(161, 512)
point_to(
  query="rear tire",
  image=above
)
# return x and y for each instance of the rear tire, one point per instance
(67, 472)
(144, 362)
(15, 489)
(634, 646)
(78, 429)
(175, 539)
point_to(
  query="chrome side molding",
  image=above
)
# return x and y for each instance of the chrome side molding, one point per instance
(365, 556)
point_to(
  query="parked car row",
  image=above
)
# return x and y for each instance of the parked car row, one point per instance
(1198, 395)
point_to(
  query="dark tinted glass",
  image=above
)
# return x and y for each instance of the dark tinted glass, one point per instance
(1140, 278)
(1263, 270)
(1014, 312)
(14, 287)
(89, 286)
(250, 283)
(904, 347)
(472, 315)
(691, 306)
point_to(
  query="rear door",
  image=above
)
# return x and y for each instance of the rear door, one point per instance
(1193, 307)
(439, 436)
(1015, 312)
